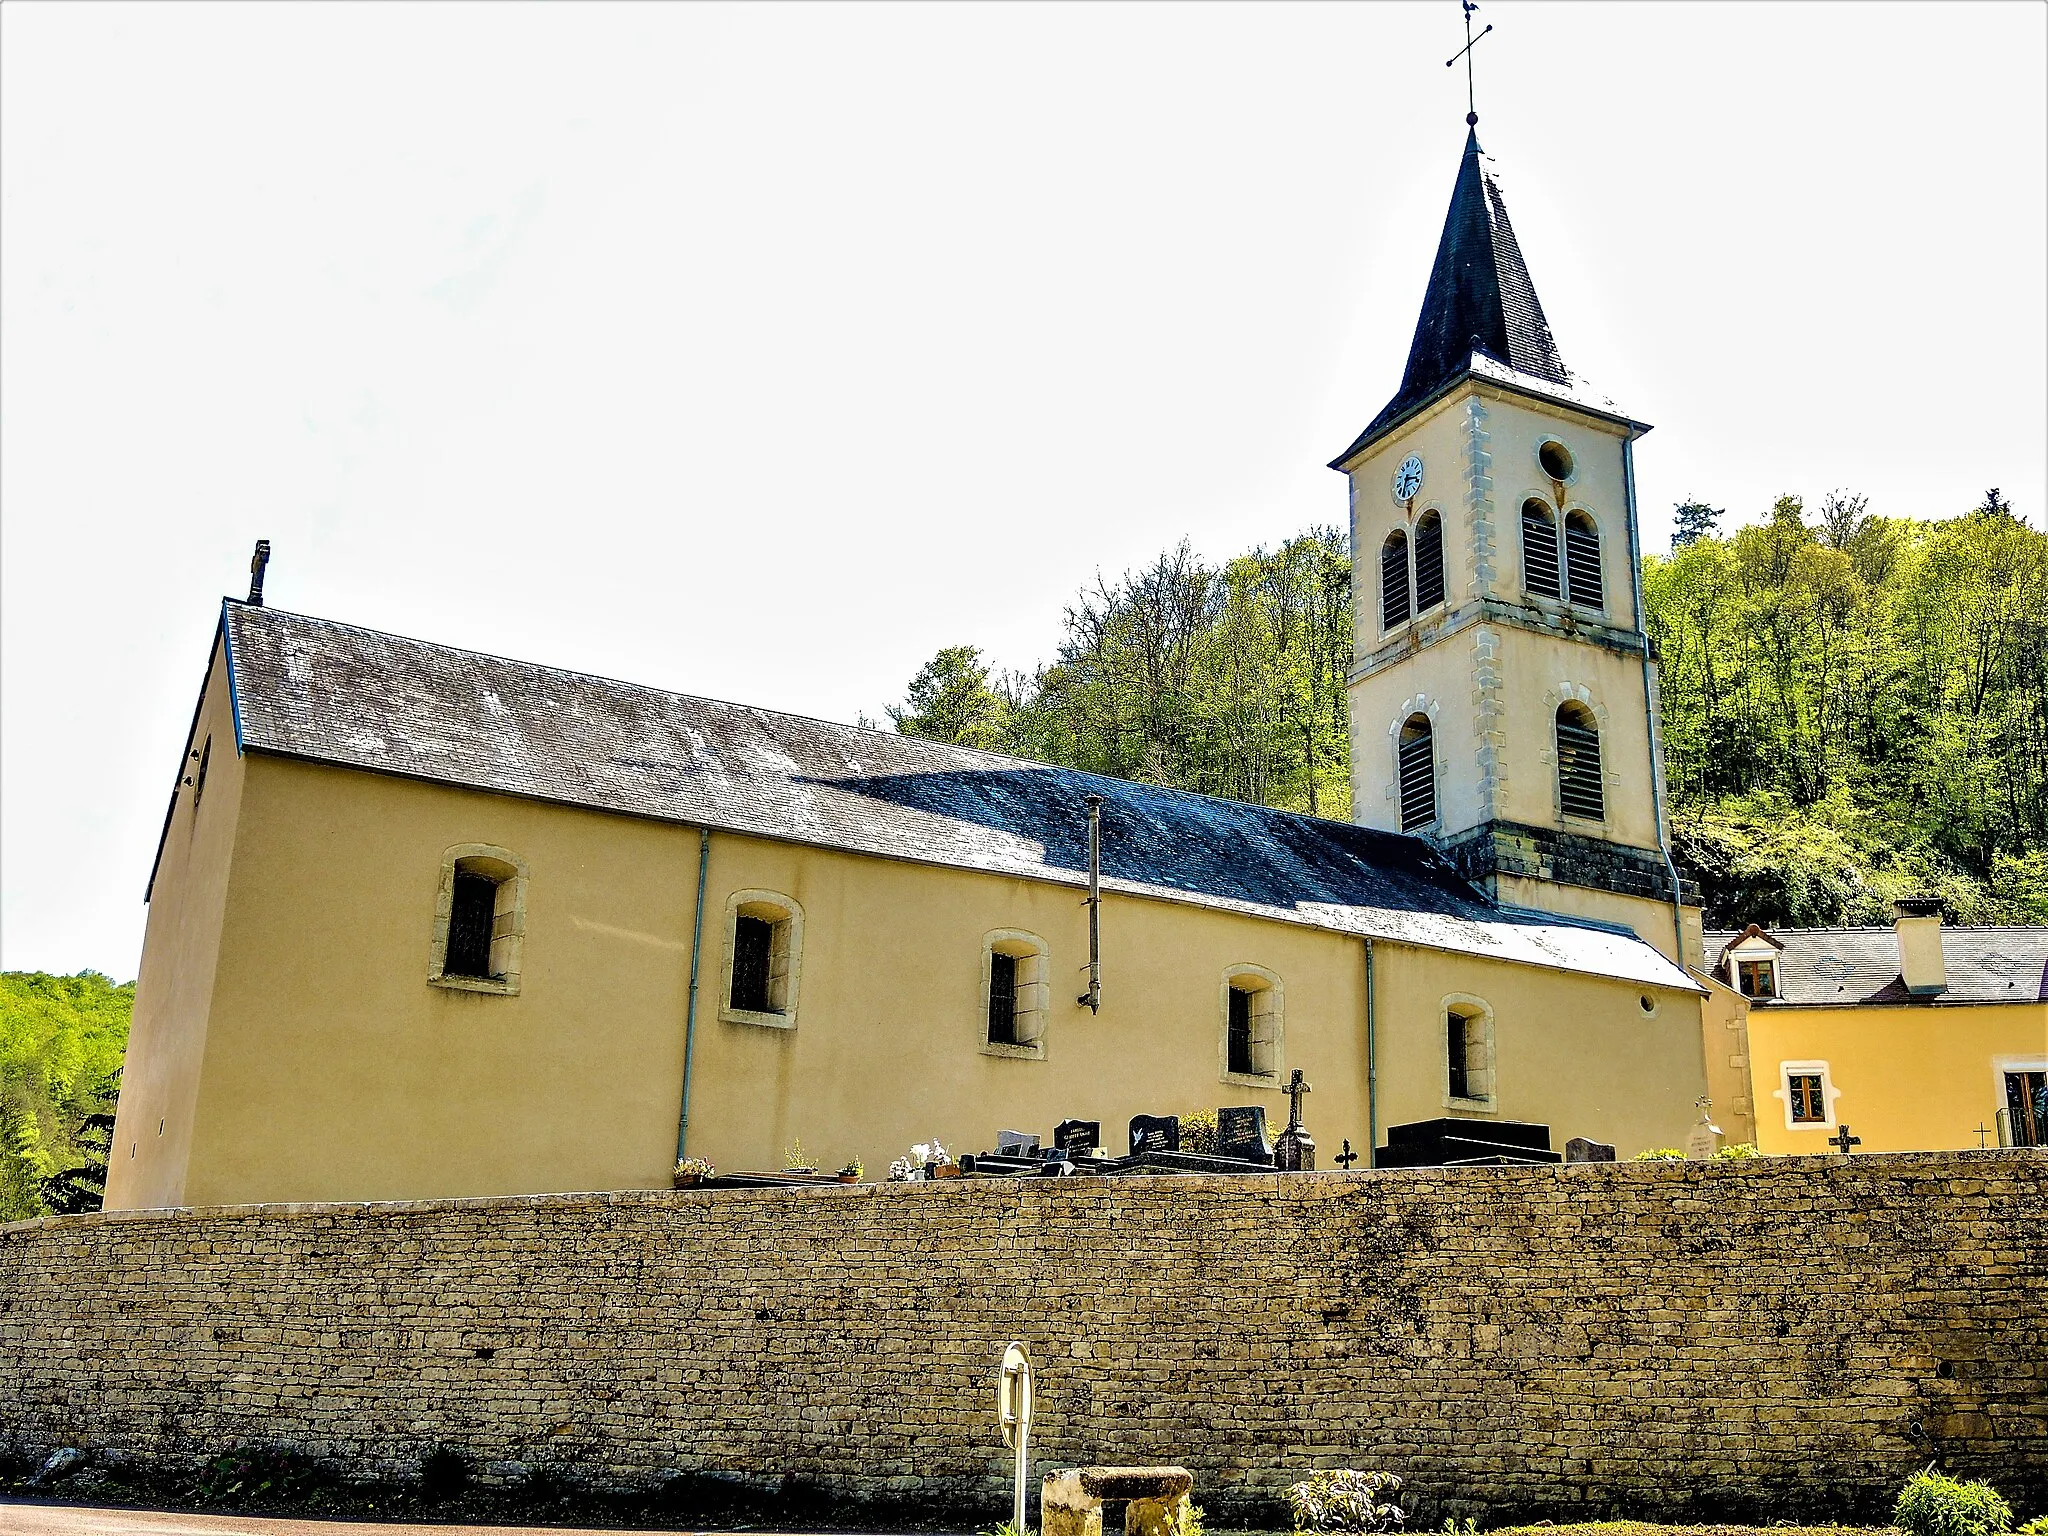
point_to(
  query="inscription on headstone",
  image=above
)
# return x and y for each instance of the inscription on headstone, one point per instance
(1077, 1135)
(1580, 1150)
(1155, 1133)
(1241, 1133)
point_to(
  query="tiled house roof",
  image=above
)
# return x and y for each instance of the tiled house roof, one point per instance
(1821, 966)
(333, 693)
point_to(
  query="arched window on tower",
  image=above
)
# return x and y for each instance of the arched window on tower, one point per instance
(1394, 580)
(1578, 763)
(1582, 561)
(1429, 562)
(1418, 773)
(1539, 552)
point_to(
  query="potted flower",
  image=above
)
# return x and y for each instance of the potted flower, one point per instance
(852, 1172)
(692, 1171)
(796, 1160)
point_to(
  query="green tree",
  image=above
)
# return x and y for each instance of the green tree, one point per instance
(1693, 520)
(61, 1043)
(950, 700)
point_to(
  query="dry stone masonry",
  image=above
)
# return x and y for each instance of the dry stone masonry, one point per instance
(1770, 1336)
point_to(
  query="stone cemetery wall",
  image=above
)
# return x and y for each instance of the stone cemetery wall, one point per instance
(1759, 1338)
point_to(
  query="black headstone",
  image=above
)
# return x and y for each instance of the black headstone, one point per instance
(1451, 1142)
(1155, 1133)
(1077, 1135)
(1241, 1133)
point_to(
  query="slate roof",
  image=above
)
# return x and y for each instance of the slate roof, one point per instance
(1821, 966)
(1480, 313)
(333, 693)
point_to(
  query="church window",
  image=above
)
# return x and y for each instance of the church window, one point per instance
(1253, 1005)
(1429, 562)
(764, 948)
(1582, 561)
(1394, 580)
(1016, 992)
(1579, 790)
(1539, 552)
(480, 920)
(1468, 1053)
(1418, 773)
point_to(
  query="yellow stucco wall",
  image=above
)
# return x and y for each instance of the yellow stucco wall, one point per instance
(334, 1070)
(1905, 1077)
(174, 985)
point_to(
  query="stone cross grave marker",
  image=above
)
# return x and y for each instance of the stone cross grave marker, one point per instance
(1842, 1141)
(1295, 1151)
(1077, 1137)
(1155, 1133)
(1241, 1133)
(1581, 1150)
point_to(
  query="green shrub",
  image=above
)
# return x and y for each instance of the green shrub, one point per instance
(1198, 1132)
(1347, 1501)
(2038, 1526)
(1739, 1149)
(1933, 1505)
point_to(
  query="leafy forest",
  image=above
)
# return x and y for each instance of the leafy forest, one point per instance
(1855, 707)
(61, 1041)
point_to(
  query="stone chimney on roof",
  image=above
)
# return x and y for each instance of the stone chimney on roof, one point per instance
(1918, 925)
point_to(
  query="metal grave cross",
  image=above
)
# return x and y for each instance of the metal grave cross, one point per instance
(1465, 53)
(1842, 1141)
(1983, 1130)
(1345, 1158)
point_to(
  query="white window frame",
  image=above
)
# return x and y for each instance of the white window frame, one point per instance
(1269, 1022)
(788, 953)
(2000, 1065)
(1755, 950)
(508, 922)
(1787, 1070)
(1034, 992)
(1482, 1064)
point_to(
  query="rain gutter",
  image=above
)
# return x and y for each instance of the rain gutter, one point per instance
(1372, 1070)
(1635, 560)
(690, 1024)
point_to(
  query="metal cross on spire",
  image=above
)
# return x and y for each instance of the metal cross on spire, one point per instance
(1465, 53)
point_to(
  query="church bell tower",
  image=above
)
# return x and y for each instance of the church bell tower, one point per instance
(1503, 698)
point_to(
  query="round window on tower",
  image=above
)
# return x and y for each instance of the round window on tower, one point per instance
(1556, 460)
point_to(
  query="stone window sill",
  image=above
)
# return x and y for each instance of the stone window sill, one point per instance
(759, 1020)
(1013, 1052)
(497, 986)
(1472, 1106)
(1270, 1080)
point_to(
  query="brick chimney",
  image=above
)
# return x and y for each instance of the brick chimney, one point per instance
(1918, 925)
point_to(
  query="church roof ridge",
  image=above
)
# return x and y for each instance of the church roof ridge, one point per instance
(354, 697)
(1480, 313)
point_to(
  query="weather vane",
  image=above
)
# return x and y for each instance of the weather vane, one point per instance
(1465, 53)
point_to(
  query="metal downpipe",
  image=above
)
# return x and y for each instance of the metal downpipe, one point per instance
(1635, 555)
(690, 1026)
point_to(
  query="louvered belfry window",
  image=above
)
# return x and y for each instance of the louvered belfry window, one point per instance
(1418, 774)
(1539, 552)
(1582, 561)
(1578, 763)
(470, 917)
(1394, 580)
(1429, 562)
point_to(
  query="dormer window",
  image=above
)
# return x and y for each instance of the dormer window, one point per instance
(1757, 978)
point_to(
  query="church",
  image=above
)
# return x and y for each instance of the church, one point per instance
(425, 922)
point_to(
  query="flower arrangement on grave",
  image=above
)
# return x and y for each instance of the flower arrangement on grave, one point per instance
(1659, 1155)
(796, 1160)
(851, 1171)
(927, 1160)
(1346, 1500)
(693, 1170)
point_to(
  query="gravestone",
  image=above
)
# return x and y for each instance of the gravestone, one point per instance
(1241, 1133)
(1077, 1136)
(1580, 1150)
(1017, 1143)
(1155, 1133)
(1295, 1151)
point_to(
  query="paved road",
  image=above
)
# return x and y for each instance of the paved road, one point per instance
(19, 1519)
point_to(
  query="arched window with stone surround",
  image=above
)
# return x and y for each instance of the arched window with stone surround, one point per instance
(1394, 580)
(479, 920)
(1539, 552)
(764, 947)
(1417, 757)
(1582, 561)
(1429, 562)
(1579, 788)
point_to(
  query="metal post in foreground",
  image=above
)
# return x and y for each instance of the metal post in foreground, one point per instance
(1013, 1411)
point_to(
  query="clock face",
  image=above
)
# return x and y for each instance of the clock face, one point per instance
(1408, 478)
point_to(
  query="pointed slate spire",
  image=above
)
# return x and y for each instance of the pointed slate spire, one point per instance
(1480, 302)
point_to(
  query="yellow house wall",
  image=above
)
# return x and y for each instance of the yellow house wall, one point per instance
(334, 1070)
(1909, 1078)
(174, 985)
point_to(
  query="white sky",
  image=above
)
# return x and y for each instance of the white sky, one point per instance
(761, 351)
